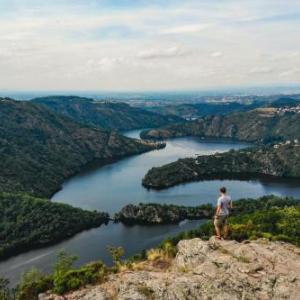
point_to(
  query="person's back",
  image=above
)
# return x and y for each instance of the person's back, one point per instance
(224, 206)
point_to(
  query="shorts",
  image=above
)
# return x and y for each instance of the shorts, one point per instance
(221, 221)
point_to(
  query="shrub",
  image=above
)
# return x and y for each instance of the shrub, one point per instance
(274, 224)
(116, 253)
(5, 292)
(75, 278)
(32, 284)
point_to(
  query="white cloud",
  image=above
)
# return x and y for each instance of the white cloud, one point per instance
(186, 29)
(170, 52)
(261, 70)
(290, 72)
(216, 54)
(88, 46)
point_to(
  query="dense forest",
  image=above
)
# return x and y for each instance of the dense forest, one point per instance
(39, 149)
(28, 222)
(108, 115)
(280, 160)
(262, 125)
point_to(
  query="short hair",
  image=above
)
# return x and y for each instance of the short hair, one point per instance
(223, 190)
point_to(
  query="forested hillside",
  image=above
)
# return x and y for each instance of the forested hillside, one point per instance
(189, 111)
(108, 115)
(259, 125)
(280, 160)
(39, 148)
(27, 222)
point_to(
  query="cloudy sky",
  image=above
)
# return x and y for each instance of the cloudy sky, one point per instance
(148, 45)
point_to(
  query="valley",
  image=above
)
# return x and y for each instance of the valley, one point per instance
(81, 163)
(40, 149)
(109, 188)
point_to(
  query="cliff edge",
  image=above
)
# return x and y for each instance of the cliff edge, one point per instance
(206, 270)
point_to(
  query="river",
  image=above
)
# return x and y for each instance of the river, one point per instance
(109, 188)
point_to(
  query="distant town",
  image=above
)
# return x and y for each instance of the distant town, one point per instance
(286, 109)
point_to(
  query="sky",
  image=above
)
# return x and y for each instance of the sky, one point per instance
(128, 45)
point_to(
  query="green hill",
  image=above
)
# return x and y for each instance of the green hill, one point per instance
(259, 125)
(190, 111)
(27, 222)
(39, 148)
(119, 116)
(281, 160)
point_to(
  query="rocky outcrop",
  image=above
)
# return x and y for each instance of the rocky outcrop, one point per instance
(280, 160)
(208, 270)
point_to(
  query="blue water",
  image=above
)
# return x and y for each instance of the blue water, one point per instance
(111, 187)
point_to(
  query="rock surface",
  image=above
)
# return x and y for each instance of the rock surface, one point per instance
(154, 213)
(208, 270)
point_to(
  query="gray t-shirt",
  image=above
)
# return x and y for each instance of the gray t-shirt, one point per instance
(224, 202)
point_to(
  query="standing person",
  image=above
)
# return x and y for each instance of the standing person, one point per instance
(224, 206)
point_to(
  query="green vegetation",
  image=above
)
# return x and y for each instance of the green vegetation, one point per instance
(153, 213)
(274, 224)
(27, 222)
(5, 292)
(116, 253)
(67, 278)
(39, 149)
(189, 111)
(262, 125)
(109, 115)
(270, 217)
(281, 160)
(33, 283)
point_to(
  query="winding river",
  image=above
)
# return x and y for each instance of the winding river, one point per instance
(111, 187)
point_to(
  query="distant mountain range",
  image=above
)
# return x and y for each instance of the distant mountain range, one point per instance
(107, 115)
(191, 111)
(197, 110)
